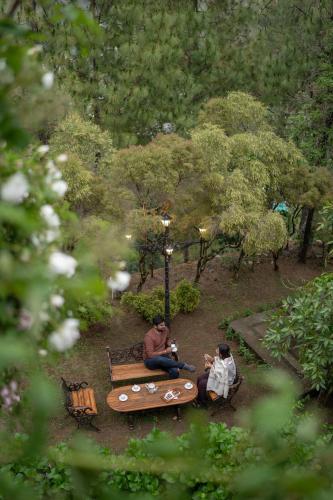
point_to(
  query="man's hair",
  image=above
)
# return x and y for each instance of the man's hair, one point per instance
(224, 350)
(157, 320)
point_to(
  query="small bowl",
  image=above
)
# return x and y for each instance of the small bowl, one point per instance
(123, 397)
(136, 388)
(188, 385)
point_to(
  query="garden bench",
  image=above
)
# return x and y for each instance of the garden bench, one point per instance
(122, 364)
(80, 402)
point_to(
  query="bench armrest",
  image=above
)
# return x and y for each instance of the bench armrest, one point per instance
(80, 410)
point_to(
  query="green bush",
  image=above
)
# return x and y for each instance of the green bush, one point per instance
(188, 296)
(93, 310)
(184, 298)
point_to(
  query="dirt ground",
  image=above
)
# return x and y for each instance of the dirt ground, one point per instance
(196, 334)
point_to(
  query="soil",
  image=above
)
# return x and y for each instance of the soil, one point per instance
(196, 334)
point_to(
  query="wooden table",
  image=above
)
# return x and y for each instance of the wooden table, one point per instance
(144, 400)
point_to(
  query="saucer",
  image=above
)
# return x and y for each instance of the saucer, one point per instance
(136, 388)
(188, 385)
(123, 397)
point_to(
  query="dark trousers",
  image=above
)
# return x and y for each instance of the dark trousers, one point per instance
(165, 363)
(202, 388)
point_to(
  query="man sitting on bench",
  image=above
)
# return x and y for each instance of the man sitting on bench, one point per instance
(157, 351)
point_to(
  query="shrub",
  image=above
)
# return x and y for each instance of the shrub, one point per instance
(188, 296)
(150, 304)
(184, 298)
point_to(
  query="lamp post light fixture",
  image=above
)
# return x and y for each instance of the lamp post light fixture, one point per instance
(168, 249)
(166, 219)
(202, 230)
(128, 236)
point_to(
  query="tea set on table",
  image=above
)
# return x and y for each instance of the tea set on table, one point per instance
(152, 388)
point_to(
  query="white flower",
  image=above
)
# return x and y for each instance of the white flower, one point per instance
(42, 352)
(57, 300)
(53, 171)
(15, 189)
(47, 80)
(49, 215)
(35, 240)
(62, 158)
(51, 235)
(120, 282)
(66, 335)
(35, 50)
(60, 263)
(44, 148)
(59, 187)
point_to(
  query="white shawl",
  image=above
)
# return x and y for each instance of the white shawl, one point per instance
(218, 380)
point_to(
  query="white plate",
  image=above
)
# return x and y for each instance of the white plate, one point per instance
(136, 388)
(123, 397)
(188, 385)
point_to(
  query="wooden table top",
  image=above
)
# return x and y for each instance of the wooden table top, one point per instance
(144, 400)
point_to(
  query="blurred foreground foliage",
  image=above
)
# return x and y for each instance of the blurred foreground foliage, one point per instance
(280, 453)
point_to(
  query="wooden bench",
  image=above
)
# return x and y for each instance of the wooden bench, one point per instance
(80, 402)
(127, 364)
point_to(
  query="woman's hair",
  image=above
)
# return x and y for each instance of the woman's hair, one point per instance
(224, 350)
(157, 320)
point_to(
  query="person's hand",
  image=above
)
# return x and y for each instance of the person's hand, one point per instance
(168, 350)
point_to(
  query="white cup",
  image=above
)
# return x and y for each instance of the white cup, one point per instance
(173, 347)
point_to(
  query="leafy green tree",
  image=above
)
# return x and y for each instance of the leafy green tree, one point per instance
(251, 171)
(87, 168)
(304, 323)
(151, 68)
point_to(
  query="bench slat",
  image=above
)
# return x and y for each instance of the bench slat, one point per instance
(85, 397)
(133, 371)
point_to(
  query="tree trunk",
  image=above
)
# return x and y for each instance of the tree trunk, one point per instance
(239, 263)
(275, 260)
(186, 254)
(306, 230)
(152, 266)
(143, 272)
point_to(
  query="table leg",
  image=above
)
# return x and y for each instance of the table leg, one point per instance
(130, 420)
(179, 417)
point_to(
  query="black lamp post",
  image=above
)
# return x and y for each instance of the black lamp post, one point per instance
(168, 249)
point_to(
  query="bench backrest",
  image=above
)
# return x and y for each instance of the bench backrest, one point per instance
(67, 394)
(132, 354)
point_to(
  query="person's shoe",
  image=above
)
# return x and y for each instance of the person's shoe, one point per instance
(190, 368)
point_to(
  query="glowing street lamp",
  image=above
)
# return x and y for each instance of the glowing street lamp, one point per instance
(168, 249)
(128, 236)
(166, 219)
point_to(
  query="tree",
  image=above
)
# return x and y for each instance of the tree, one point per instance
(146, 182)
(304, 323)
(153, 65)
(252, 170)
(87, 169)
